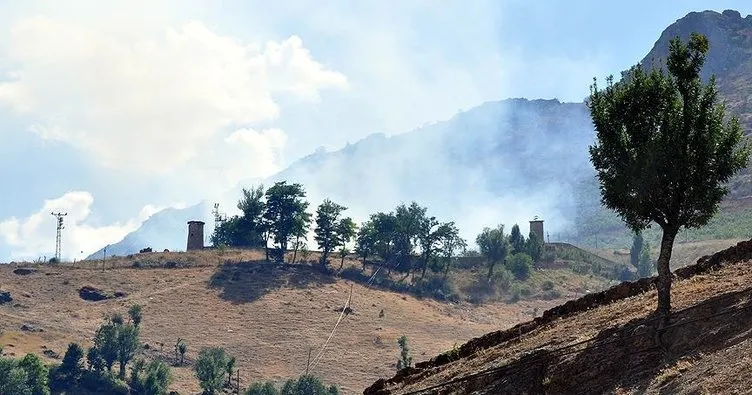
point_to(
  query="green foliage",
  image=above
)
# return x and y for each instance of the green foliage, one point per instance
(331, 230)
(135, 315)
(405, 360)
(36, 373)
(665, 149)
(181, 348)
(521, 265)
(94, 358)
(151, 379)
(210, 368)
(248, 229)
(285, 213)
(516, 239)
(534, 247)
(307, 385)
(69, 371)
(450, 243)
(127, 345)
(259, 388)
(13, 378)
(645, 266)
(230, 368)
(494, 246)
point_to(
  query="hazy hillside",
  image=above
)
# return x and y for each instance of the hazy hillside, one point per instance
(508, 160)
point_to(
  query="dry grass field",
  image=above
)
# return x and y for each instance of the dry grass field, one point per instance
(266, 315)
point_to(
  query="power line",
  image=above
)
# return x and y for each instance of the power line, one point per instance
(58, 235)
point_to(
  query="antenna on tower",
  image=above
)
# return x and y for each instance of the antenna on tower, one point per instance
(60, 227)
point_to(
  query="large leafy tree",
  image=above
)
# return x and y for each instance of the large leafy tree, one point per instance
(247, 229)
(494, 245)
(365, 242)
(665, 148)
(450, 243)
(408, 221)
(284, 215)
(428, 239)
(327, 232)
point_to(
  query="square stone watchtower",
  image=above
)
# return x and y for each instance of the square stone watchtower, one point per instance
(536, 226)
(195, 235)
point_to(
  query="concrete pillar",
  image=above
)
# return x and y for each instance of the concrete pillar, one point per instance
(195, 235)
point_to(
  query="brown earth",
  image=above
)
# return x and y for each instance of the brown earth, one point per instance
(266, 315)
(612, 343)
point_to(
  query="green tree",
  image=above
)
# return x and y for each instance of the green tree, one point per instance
(94, 358)
(516, 239)
(636, 250)
(210, 368)
(405, 360)
(428, 238)
(37, 375)
(285, 214)
(308, 385)
(135, 314)
(450, 243)
(665, 148)
(365, 241)
(151, 379)
(72, 366)
(248, 229)
(127, 345)
(645, 266)
(259, 388)
(494, 246)
(346, 231)
(106, 343)
(384, 226)
(13, 378)
(534, 247)
(326, 233)
(408, 222)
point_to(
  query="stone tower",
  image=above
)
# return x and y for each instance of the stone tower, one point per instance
(195, 235)
(536, 226)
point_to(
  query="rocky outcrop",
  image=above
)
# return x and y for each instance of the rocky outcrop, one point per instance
(5, 297)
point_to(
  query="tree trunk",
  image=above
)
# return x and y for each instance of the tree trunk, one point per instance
(342, 261)
(122, 370)
(425, 265)
(364, 263)
(324, 256)
(295, 251)
(664, 271)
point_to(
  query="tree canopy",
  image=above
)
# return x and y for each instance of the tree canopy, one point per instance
(665, 148)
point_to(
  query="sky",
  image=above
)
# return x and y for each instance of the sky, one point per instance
(111, 111)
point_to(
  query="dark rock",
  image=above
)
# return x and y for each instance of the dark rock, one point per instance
(51, 354)
(5, 297)
(23, 271)
(31, 328)
(94, 295)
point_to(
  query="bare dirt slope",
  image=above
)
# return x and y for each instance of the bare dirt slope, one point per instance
(611, 343)
(266, 315)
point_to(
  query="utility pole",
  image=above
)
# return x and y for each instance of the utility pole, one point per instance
(219, 218)
(60, 227)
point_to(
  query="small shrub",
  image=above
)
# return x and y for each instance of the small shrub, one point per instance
(547, 285)
(405, 360)
(521, 265)
(210, 368)
(259, 388)
(502, 279)
(135, 315)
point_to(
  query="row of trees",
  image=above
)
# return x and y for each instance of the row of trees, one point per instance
(406, 239)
